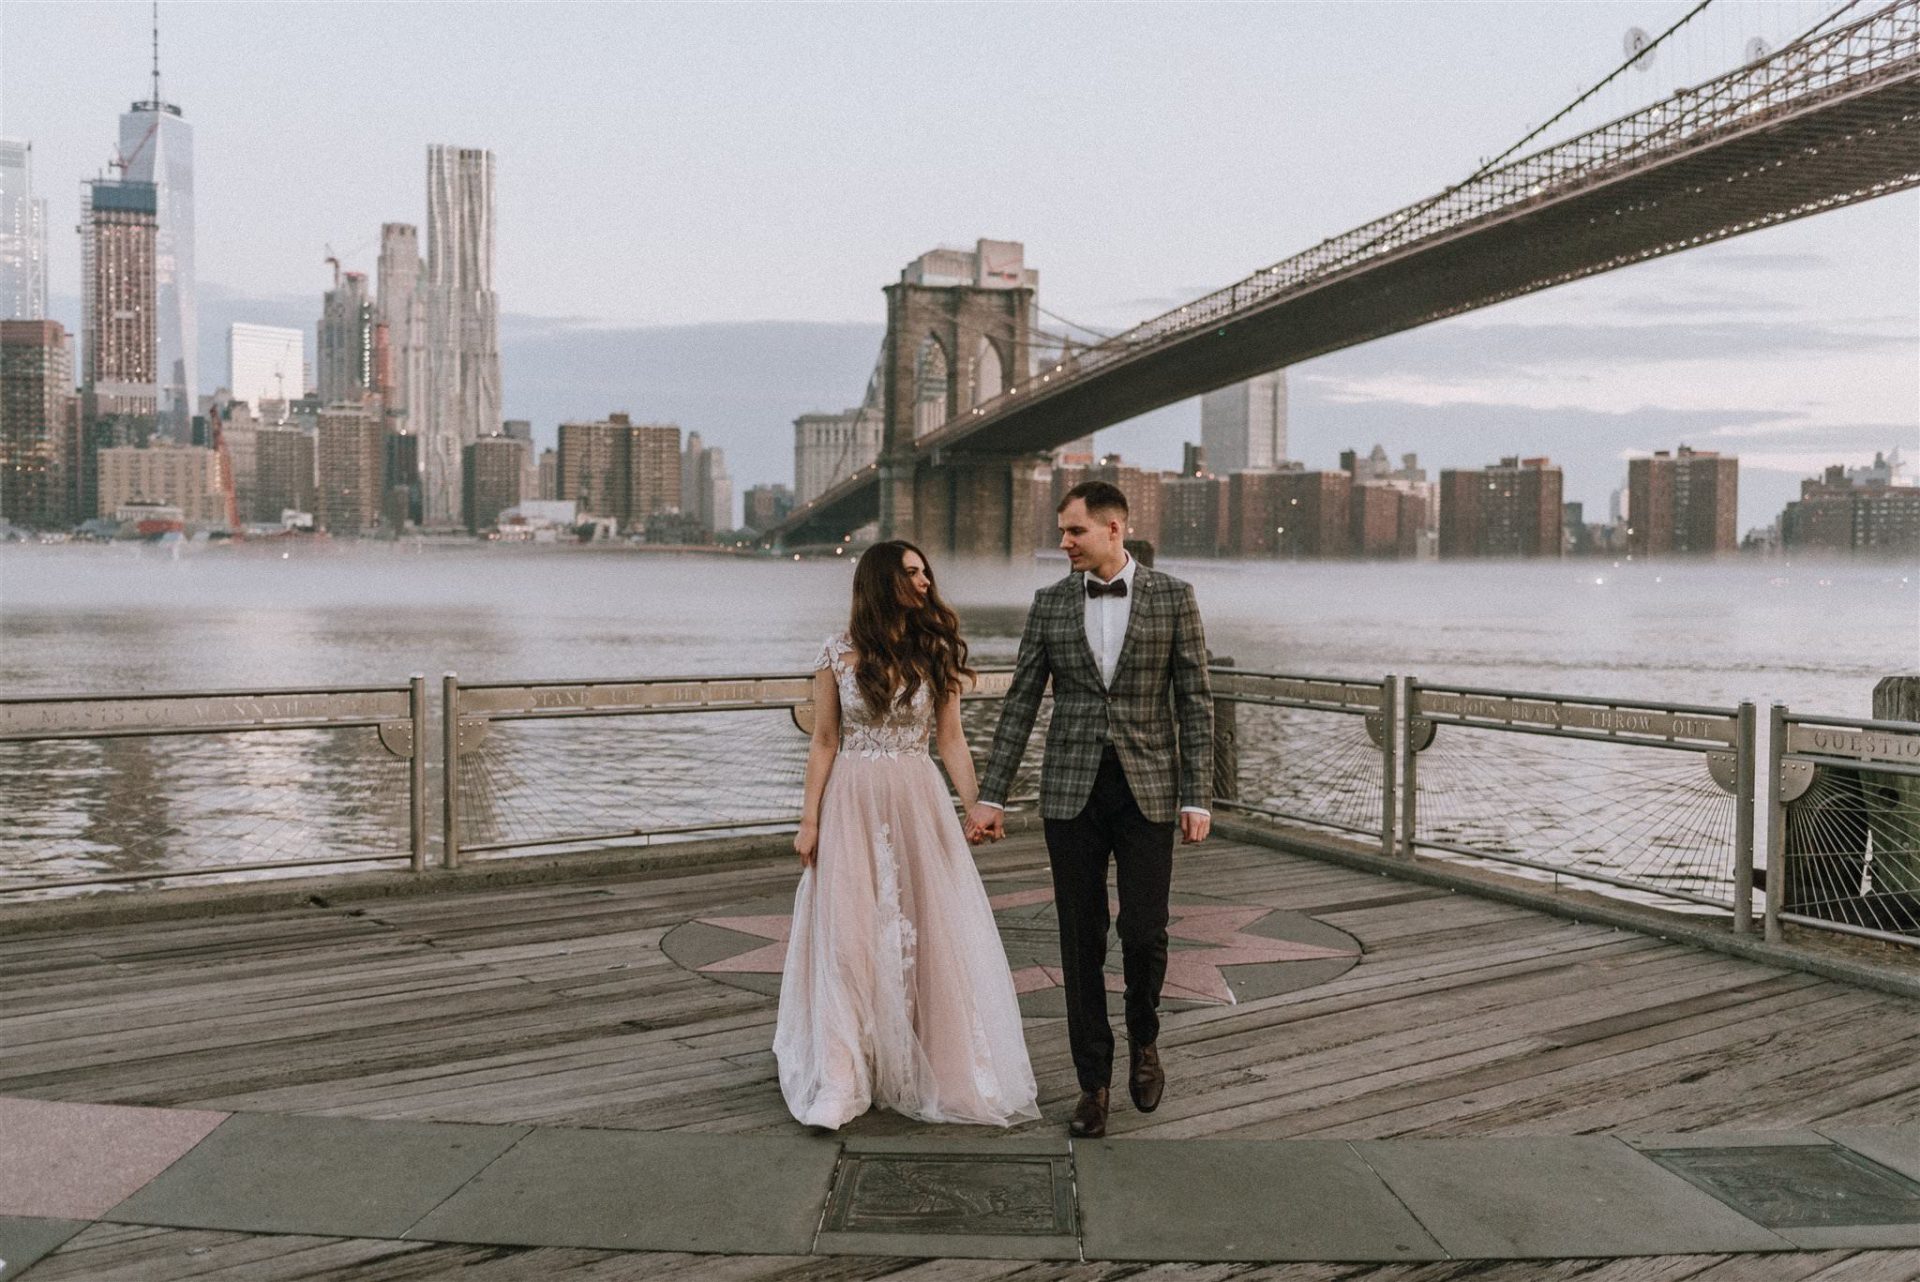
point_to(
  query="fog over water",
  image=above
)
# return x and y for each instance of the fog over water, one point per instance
(92, 619)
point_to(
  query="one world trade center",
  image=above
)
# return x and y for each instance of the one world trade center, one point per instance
(156, 146)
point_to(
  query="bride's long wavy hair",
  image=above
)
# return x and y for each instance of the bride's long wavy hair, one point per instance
(904, 642)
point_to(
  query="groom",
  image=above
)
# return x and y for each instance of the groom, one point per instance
(1128, 659)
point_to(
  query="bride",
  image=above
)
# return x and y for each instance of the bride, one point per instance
(896, 990)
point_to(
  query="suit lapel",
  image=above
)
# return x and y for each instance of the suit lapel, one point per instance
(1142, 591)
(1078, 587)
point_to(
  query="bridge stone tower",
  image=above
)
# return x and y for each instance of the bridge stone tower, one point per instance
(959, 327)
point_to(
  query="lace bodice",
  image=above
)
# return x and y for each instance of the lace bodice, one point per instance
(901, 731)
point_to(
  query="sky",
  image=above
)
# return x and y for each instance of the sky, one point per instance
(698, 204)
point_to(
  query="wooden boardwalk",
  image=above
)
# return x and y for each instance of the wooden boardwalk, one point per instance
(554, 1004)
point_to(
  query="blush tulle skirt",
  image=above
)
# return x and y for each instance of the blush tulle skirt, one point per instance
(896, 991)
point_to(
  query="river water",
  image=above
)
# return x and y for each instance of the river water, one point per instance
(93, 619)
(102, 619)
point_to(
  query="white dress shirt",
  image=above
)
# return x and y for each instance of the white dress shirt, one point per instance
(1107, 620)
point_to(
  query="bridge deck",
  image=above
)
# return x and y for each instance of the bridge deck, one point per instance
(554, 1004)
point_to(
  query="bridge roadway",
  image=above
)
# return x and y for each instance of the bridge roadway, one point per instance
(519, 1081)
(1812, 128)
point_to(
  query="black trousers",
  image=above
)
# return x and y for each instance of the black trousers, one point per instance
(1111, 825)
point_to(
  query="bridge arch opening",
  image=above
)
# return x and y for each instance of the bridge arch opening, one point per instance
(989, 371)
(932, 386)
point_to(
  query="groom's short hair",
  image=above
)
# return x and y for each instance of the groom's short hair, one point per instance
(1099, 496)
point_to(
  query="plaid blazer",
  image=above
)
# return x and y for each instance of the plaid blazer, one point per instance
(1158, 713)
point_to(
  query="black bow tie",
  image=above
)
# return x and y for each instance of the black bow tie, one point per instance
(1116, 588)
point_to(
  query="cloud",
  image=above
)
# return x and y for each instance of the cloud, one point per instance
(1802, 426)
(1464, 350)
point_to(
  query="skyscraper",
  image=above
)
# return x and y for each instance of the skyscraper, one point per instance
(462, 322)
(491, 471)
(1508, 510)
(828, 448)
(403, 475)
(621, 469)
(156, 146)
(118, 238)
(284, 473)
(706, 490)
(351, 445)
(266, 364)
(23, 236)
(1682, 503)
(36, 386)
(1243, 428)
(521, 430)
(403, 311)
(346, 373)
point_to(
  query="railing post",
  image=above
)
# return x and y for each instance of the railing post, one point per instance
(1743, 768)
(1226, 746)
(450, 771)
(1776, 822)
(417, 772)
(1409, 772)
(1389, 775)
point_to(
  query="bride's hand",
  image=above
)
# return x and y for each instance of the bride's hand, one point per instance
(806, 844)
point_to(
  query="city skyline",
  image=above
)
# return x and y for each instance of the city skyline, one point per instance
(1793, 348)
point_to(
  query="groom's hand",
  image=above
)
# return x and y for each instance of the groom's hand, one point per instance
(1194, 827)
(988, 822)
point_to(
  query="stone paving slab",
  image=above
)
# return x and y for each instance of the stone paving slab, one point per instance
(328, 1176)
(645, 1191)
(24, 1240)
(74, 1161)
(969, 1196)
(1240, 1200)
(1556, 1198)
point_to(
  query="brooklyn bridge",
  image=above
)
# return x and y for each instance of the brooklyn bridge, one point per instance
(1829, 120)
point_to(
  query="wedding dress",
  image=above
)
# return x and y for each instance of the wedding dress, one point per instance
(896, 990)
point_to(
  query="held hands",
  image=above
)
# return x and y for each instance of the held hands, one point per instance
(985, 823)
(1194, 828)
(806, 843)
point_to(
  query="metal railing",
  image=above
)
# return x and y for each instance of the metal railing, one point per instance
(89, 797)
(1658, 797)
(662, 757)
(1315, 750)
(1843, 796)
(1651, 798)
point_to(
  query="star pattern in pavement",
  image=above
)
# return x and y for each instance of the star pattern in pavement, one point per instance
(1193, 973)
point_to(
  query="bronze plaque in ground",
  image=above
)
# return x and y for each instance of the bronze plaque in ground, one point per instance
(974, 1194)
(1798, 1185)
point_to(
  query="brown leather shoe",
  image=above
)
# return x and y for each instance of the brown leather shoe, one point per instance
(1146, 1080)
(1089, 1116)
